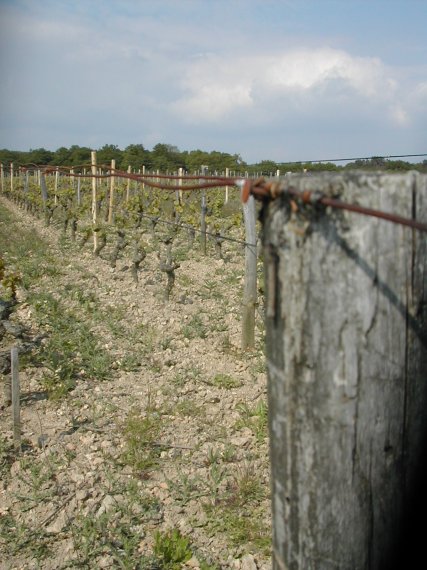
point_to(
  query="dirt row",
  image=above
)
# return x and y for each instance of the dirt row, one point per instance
(159, 444)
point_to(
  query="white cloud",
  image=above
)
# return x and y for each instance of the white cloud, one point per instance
(216, 87)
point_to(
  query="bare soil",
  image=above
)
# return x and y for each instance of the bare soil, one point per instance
(174, 438)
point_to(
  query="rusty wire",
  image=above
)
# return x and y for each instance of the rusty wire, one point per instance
(260, 188)
(264, 191)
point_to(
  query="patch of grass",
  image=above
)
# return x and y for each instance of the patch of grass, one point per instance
(117, 532)
(172, 549)
(240, 527)
(7, 457)
(195, 328)
(72, 351)
(255, 418)
(185, 488)
(225, 381)
(17, 538)
(141, 432)
(188, 408)
(237, 511)
(25, 250)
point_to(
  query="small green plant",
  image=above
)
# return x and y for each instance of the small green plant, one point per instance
(141, 431)
(195, 328)
(188, 408)
(17, 538)
(172, 549)
(255, 418)
(225, 381)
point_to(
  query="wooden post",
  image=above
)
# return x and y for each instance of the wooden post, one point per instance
(250, 286)
(94, 199)
(79, 196)
(203, 222)
(227, 188)
(112, 181)
(2, 178)
(56, 186)
(128, 185)
(180, 173)
(11, 177)
(43, 188)
(346, 330)
(16, 394)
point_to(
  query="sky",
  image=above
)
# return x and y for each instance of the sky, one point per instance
(282, 80)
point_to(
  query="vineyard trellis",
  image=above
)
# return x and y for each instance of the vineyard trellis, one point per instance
(108, 210)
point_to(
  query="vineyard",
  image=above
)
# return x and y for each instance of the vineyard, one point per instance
(144, 422)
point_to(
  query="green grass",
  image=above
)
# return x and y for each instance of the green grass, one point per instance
(255, 418)
(141, 432)
(71, 351)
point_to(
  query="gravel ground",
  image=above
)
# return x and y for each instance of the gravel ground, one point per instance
(163, 431)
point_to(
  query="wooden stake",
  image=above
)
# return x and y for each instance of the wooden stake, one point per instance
(56, 187)
(128, 184)
(94, 199)
(16, 404)
(112, 181)
(250, 286)
(227, 174)
(2, 177)
(203, 223)
(11, 176)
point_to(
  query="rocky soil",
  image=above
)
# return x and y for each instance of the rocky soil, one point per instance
(143, 422)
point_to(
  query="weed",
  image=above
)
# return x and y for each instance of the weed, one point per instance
(212, 456)
(71, 347)
(18, 538)
(186, 488)
(229, 453)
(195, 328)
(189, 409)
(7, 457)
(172, 549)
(255, 418)
(141, 432)
(225, 381)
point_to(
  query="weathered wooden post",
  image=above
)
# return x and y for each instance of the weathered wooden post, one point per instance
(94, 199)
(128, 184)
(250, 285)
(346, 331)
(203, 222)
(112, 182)
(2, 178)
(227, 188)
(11, 178)
(16, 395)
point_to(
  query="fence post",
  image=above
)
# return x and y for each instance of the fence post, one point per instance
(203, 222)
(128, 184)
(94, 199)
(2, 177)
(16, 394)
(250, 286)
(346, 332)
(227, 188)
(112, 181)
(56, 186)
(11, 177)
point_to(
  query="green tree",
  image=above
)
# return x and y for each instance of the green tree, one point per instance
(39, 156)
(136, 156)
(107, 153)
(166, 157)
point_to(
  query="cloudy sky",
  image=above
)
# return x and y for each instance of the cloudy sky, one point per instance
(267, 79)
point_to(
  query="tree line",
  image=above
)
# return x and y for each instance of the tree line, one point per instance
(168, 158)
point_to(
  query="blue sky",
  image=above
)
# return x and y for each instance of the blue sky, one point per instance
(267, 79)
